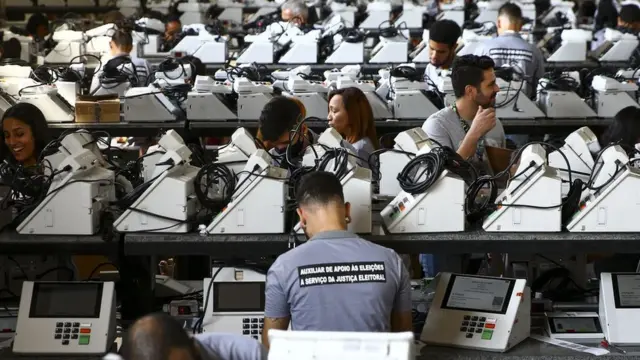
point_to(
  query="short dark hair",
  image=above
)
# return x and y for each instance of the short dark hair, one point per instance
(122, 37)
(512, 11)
(625, 128)
(35, 119)
(319, 187)
(172, 18)
(36, 20)
(279, 116)
(630, 14)
(468, 70)
(445, 32)
(154, 336)
(11, 49)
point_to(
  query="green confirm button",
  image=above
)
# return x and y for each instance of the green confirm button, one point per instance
(487, 334)
(84, 339)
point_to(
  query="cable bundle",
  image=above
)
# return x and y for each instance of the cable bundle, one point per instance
(429, 167)
(214, 176)
(340, 158)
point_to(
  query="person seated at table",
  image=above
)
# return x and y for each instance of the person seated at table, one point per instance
(351, 115)
(26, 133)
(161, 337)
(278, 119)
(172, 30)
(624, 130)
(38, 26)
(120, 63)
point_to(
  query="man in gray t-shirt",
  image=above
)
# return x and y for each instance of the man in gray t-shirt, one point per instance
(443, 39)
(336, 281)
(470, 124)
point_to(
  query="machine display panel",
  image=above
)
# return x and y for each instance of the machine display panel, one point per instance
(238, 296)
(575, 325)
(475, 293)
(626, 290)
(66, 300)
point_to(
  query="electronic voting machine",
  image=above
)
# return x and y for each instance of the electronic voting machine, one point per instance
(476, 312)
(236, 302)
(576, 327)
(70, 318)
(619, 308)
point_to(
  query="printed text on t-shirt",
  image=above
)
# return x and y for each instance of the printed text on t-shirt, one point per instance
(342, 273)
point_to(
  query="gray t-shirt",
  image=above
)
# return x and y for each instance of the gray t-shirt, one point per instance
(511, 49)
(218, 346)
(363, 148)
(338, 282)
(445, 128)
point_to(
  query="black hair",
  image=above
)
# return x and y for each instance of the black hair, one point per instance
(624, 129)
(34, 118)
(113, 17)
(197, 67)
(445, 32)
(154, 336)
(11, 49)
(468, 70)
(36, 20)
(630, 14)
(607, 16)
(588, 9)
(512, 11)
(319, 187)
(122, 38)
(172, 18)
(279, 116)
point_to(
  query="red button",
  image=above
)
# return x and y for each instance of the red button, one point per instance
(85, 331)
(490, 326)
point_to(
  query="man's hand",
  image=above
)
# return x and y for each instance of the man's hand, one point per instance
(484, 121)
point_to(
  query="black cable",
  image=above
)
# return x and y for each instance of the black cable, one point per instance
(198, 325)
(215, 176)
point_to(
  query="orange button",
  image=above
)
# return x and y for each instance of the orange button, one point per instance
(85, 331)
(401, 206)
(490, 326)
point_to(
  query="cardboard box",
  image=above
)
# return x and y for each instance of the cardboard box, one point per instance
(94, 109)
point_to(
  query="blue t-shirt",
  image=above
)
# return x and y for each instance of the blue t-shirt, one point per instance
(338, 282)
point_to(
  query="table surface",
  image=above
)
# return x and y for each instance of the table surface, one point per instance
(13, 243)
(528, 350)
(440, 243)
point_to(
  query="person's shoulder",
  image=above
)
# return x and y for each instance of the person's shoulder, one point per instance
(443, 114)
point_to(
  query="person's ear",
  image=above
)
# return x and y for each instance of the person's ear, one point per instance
(303, 220)
(347, 212)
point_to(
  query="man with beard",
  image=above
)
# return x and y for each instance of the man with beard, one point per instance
(470, 123)
(278, 119)
(336, 281)
(443, 39)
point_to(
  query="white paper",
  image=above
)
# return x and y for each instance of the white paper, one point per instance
(571, 346)
(480, 294)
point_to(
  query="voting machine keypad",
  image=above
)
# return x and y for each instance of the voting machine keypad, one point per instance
(478, 326)
(252, 327)
(72, 333)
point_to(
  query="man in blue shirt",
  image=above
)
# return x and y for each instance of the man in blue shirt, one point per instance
(161, 337)
(336, 281)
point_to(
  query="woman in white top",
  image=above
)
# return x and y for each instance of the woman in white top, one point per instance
(351, 115)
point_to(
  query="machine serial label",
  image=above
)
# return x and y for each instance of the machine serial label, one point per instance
(342, 273)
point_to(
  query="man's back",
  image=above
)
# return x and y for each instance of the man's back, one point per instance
(338, 282)
(511, 49)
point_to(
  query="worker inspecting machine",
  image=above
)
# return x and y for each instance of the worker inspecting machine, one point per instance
(137, 69)
(628, 22)
(161, 337)
(351, 115)
(278, 119)
(336, 281)
(510, 49)
(443, 40)
(295, 12)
